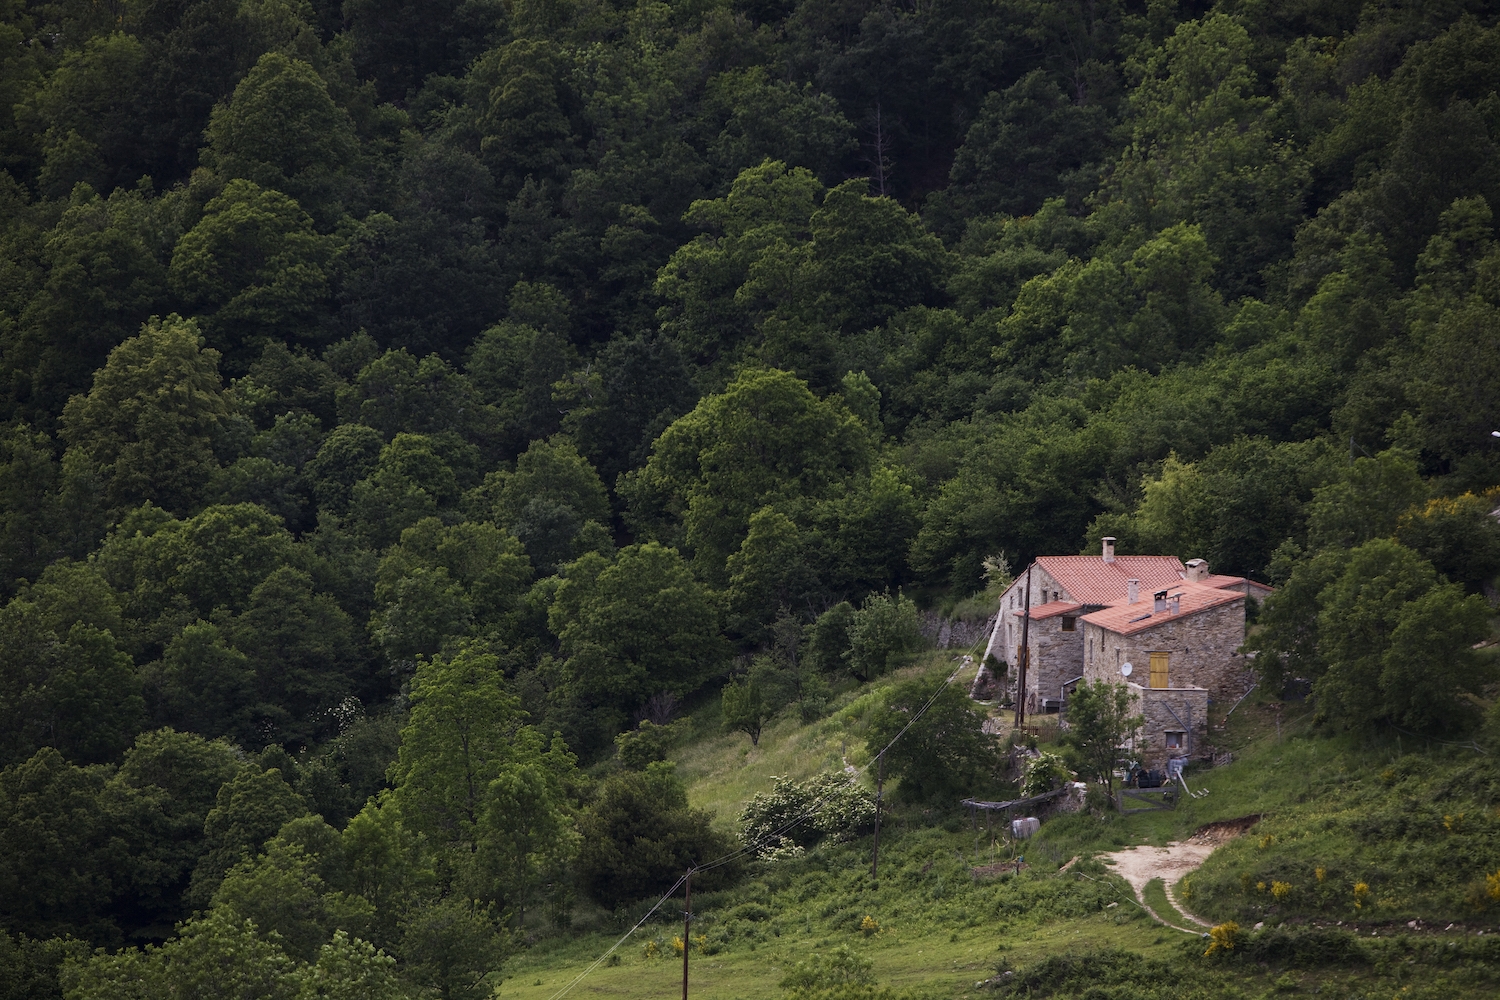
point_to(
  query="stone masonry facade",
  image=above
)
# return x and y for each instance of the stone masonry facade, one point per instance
(1089, 615)
(1201, 651)
(1176, 723)
(1056, 657)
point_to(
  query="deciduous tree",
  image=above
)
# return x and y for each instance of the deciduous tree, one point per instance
(1101, 717)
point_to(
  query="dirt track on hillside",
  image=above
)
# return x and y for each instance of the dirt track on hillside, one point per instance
(1139, 865)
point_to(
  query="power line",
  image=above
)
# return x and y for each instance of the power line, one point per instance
(579, 978)
(780, 831)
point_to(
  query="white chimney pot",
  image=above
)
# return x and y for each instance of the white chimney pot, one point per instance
(1109, 548)
(1132, 591)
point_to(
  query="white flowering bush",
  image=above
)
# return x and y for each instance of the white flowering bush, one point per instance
(797, 814)
(1044, 772)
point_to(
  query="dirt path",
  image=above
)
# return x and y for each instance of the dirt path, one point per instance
(1139, 865)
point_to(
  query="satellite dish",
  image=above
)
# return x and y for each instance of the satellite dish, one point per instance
(1125, 669)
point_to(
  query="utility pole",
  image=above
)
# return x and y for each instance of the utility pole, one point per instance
(1025, 656)
(879, 796)
(687, 916)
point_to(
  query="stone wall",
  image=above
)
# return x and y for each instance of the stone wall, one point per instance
(1013, 602)
(1170, 710)
(1005, 641)
(950, 633)
(1201, 648)
(1056, 656)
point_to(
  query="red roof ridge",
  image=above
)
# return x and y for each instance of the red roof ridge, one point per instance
(1091, 580)
(1220, 581)
(1127, 619)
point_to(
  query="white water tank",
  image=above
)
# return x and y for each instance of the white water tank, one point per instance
(1021, 829)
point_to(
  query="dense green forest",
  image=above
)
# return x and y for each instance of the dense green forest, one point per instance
(400, 402)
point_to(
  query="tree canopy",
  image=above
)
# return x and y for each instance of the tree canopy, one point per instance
(400, 404)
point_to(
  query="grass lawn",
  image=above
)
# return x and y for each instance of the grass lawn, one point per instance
(723, 771)
(929, 957)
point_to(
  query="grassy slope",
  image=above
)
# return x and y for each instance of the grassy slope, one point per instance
(941, 931)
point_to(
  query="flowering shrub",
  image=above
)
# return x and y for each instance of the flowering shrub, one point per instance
(1044, 772)
(795, 815)
(1223, 937)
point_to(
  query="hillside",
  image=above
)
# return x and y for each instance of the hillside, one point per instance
(436, 438)
(942, 930)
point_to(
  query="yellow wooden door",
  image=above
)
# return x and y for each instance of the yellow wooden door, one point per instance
(1158, 670)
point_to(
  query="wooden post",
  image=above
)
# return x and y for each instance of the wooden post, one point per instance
(1025, 656)
(879, 797)
(687, 939)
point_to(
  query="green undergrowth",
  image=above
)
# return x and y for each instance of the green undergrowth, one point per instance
(933, 926)
(1274, 963)
(1374, 833)
(724, 771)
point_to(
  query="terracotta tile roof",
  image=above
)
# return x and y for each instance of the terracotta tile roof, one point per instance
(1220, 581)
(1051, 609)
(1091, 580)
(1128, 619)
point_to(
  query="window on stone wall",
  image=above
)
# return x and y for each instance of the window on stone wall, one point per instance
(1174, 741)
(1069, 624)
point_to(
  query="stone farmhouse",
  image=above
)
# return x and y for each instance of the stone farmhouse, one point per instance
(1170, 631)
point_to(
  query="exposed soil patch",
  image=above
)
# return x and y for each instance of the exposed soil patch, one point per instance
(1139, 865)
(1223, 831)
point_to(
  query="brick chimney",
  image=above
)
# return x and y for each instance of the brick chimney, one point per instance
(1132, 591)
(1109, 548)
(1197, 571)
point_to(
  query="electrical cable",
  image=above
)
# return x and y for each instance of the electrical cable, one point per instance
(780, 831)
(579, 978)
(1470, 745)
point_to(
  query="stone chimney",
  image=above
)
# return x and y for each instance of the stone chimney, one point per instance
(1109, 548)
(1132, 591)
(1159, 603)
(1197, 571)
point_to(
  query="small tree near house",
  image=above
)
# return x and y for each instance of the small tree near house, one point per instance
(1099, 720)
